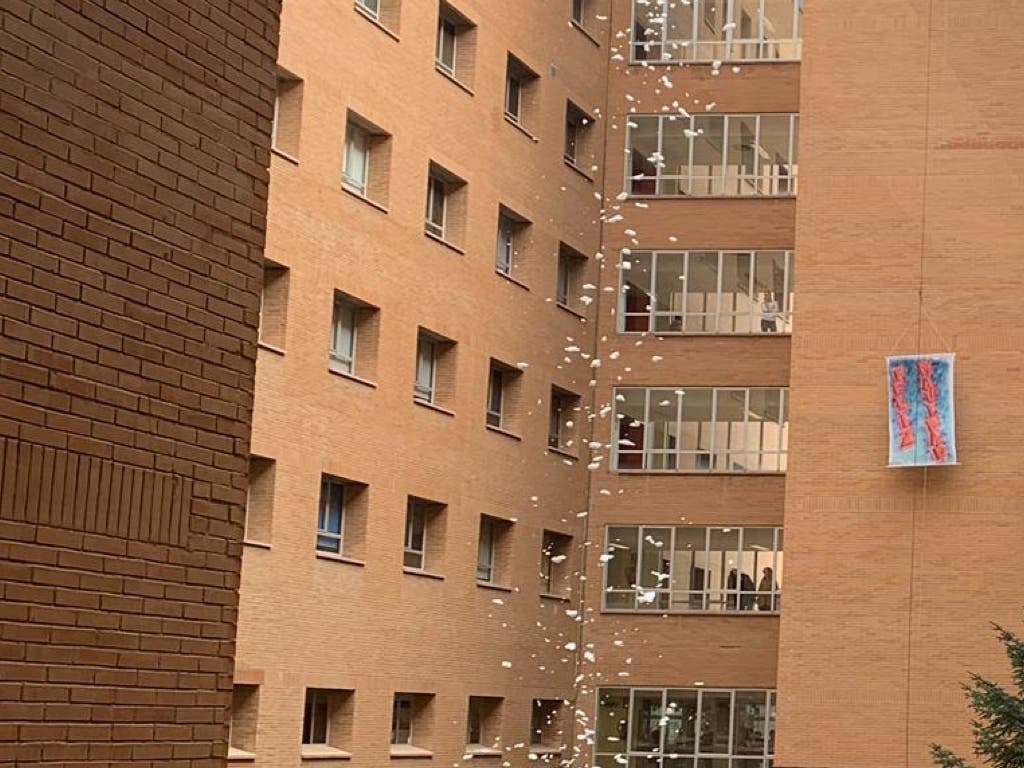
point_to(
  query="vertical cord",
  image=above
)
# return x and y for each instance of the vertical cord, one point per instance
(919, 508)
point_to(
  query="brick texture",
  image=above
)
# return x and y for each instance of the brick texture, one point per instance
(134, 140)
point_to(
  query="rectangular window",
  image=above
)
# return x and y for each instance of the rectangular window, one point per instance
(284, 131)
(401, 719)
(666, 31)
(562, 418)
(578, 124)
(315, 718)
(693, 569)
(446, 202)
(483, 725)
(456, 45)
(712, 155)
(701, 429)
(426, 367)
(740, 292)
(579, 9)
(521, 85)
(372, 7)
(639, 725)
(343, 335)
(554, 564)
(357, 157)
(506, 243)
(330, 527)
(244, 721)
(366, 170)
(492, 550)
(547, 729)
(415, 535)
(496, 396)
(446, 40)
(571, 268)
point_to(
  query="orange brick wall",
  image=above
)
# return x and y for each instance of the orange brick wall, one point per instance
(133, 192)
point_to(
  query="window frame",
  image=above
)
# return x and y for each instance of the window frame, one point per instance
(769, 724)
(426, 392)
(780, 185)
(660, 599)
(578, 12)
(496, 383)
(339, 360)
(415, 509)
(506, 243)
(356, 134)
(437, 193)
(783, 313)
(328, 484)
(513, 87)
(397, 701)
(692, 46)
(712, 453)
(446, 23)
(486, 571)
(364, 6)
(313, 697)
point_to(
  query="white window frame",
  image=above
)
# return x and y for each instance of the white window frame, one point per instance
(317, 694)
(425, 391)
(652, 599)
(693, 50)
(396, 720)
(471, 710)
(783, 313)
(374, 11)
(496, 418)
(505, 251)
(327, 483)
(414, 508)
(357, 139)
(516, 115)
(758, 184)
(437, 186)
(654, 456)
(445, 23)
(578, 14)
(343, 360)
(627, 750)
(485, 569)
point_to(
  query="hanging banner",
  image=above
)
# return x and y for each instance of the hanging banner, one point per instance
(922, 421)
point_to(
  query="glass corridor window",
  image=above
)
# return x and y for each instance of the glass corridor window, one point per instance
(668, 292)
(712, 155)
(701, 429)
(669, 31)
(693, 568)
(685, 728)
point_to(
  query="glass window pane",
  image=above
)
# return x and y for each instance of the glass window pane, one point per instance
(689, 578)
(679, 31)
(629, 412)
(645, 721)
(763, 431)
(663, 437)
(643, 152)
(773, 148)
(708, 144)
(742, 156)
(711, 32)
(750, 730)
(738, 307)
(319, 735)
(655, 566)
(670, 287)
(637, 301)
(716, 710)
(730, 430)
(680, 729)
(648, 30)
(695, 431)
(612, 716)
(446, 45)
(721, 565)
(778, 31)
(620, 568)
(702, 292)
(746, 38)
(356, 157)
(675, 156)
(757, 559)
(770, 288)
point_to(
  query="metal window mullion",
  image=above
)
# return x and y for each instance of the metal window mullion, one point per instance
(725, 153)
(697, 722)
(783, 409)
(691, 139)
(664, 26)
(659, 168)
(786, 278)
(679, 427)
(732, 721)
(652, 304)
(718, 289)
(686, 288)
(638, 568)
(691, 49)
(714, 428)
(752, 282)
(648, 431)
(746, 428)
(729, 17)
(671, 564)
(797, 32)
(762, 45)
(757, 151)
(793, 119)
(629, 720)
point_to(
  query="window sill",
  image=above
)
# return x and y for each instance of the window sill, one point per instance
(240, 755)
(432, 407)
(710, 334)
(575, 168)
(539, 749)
(705, 472)
(563, 452)
(455, 80)
(521, 129)
(321, 555)
(658, 612)
(492, 585)
(284, 155)
(256, 544)
(360, 196)
(270, 348)
(585, 32)
(558, 598)
(655, 62)
(323, 752)
(479, 750)
(445, 243)
(408, 750)
(509, 278)
(570, 310)
(505, 432)
(376, 22)
(422, 574)
(353, 377)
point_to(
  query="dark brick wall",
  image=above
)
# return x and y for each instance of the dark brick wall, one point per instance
(134, 141)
